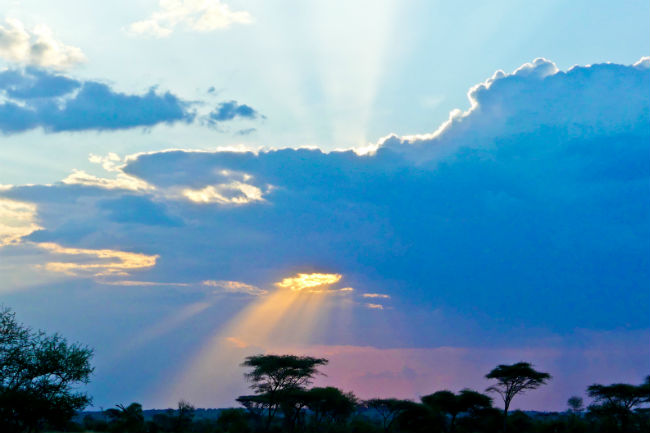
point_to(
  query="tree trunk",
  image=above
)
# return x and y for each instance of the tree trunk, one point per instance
(505, 417)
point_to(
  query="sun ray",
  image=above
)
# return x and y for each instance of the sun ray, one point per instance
(287, 317)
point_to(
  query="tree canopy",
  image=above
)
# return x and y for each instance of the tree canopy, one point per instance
(271, 373)
(620, 395)
(514, 379)
(39, 374)
(452, 404)
(279, 382)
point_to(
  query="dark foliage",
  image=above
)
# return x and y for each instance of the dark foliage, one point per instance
(38, 376)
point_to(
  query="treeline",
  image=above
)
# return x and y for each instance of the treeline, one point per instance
(283, 402)
(39, 375)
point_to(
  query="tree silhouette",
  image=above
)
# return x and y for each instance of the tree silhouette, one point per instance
(127, 419)
(388, 409)
(514, 379)
(330, 405)
(184, 415)
(38, 374)
(618, 400)
(622, 395)
(576, 405)
(278, 380)
(451, 404)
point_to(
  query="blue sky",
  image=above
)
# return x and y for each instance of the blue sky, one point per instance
(435, 186)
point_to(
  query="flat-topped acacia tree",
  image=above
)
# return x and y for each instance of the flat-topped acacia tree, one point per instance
(276, 379)
(514, 379)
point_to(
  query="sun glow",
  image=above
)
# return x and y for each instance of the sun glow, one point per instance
(301, 282)
(282, 318)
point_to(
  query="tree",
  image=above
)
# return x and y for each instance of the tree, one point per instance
(233, 421)
(514, 379)
(389, 409)
(576, 405)
(38, 377)
(330, 405)
(451, 404)
(620, 395)
(277, 380)
(184, 415)
(126, 419)
(419, 418)
(618, 400)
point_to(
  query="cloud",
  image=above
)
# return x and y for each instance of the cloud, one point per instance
(301, 281)
(121, 181)
(516, 208)
(96, 262)
(376, 295)
(538, 98)
(136, 209)
(131, 283)
(33, 98)
(36, 47)
(17, 220)
(195, 15)
(236, 287)
(37, 98)
(226, 193)
(374, 306)
(232, 109)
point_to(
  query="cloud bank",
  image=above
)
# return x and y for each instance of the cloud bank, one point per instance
(507, 198)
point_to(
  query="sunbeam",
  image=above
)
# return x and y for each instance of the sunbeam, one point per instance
(289, 316)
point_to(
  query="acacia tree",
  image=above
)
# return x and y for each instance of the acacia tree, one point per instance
(620, 395)
(277, 380)
(514, 379)
(618, 399)
(38, 377)
(389, 409)
(330, 405)
(452, 404)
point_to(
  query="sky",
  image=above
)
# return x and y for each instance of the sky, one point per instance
(417, 191)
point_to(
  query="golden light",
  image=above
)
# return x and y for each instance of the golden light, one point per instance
(301, 282)
(17, 219)
(102, 262)
(282, 318)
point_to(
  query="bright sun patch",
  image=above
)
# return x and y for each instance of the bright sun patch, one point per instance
(300, 282)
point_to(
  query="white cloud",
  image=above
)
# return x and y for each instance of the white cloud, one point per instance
(197, 15)
(375, 306)
(36, 47)
(376, 295)
(235, 287)
(109, 162)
